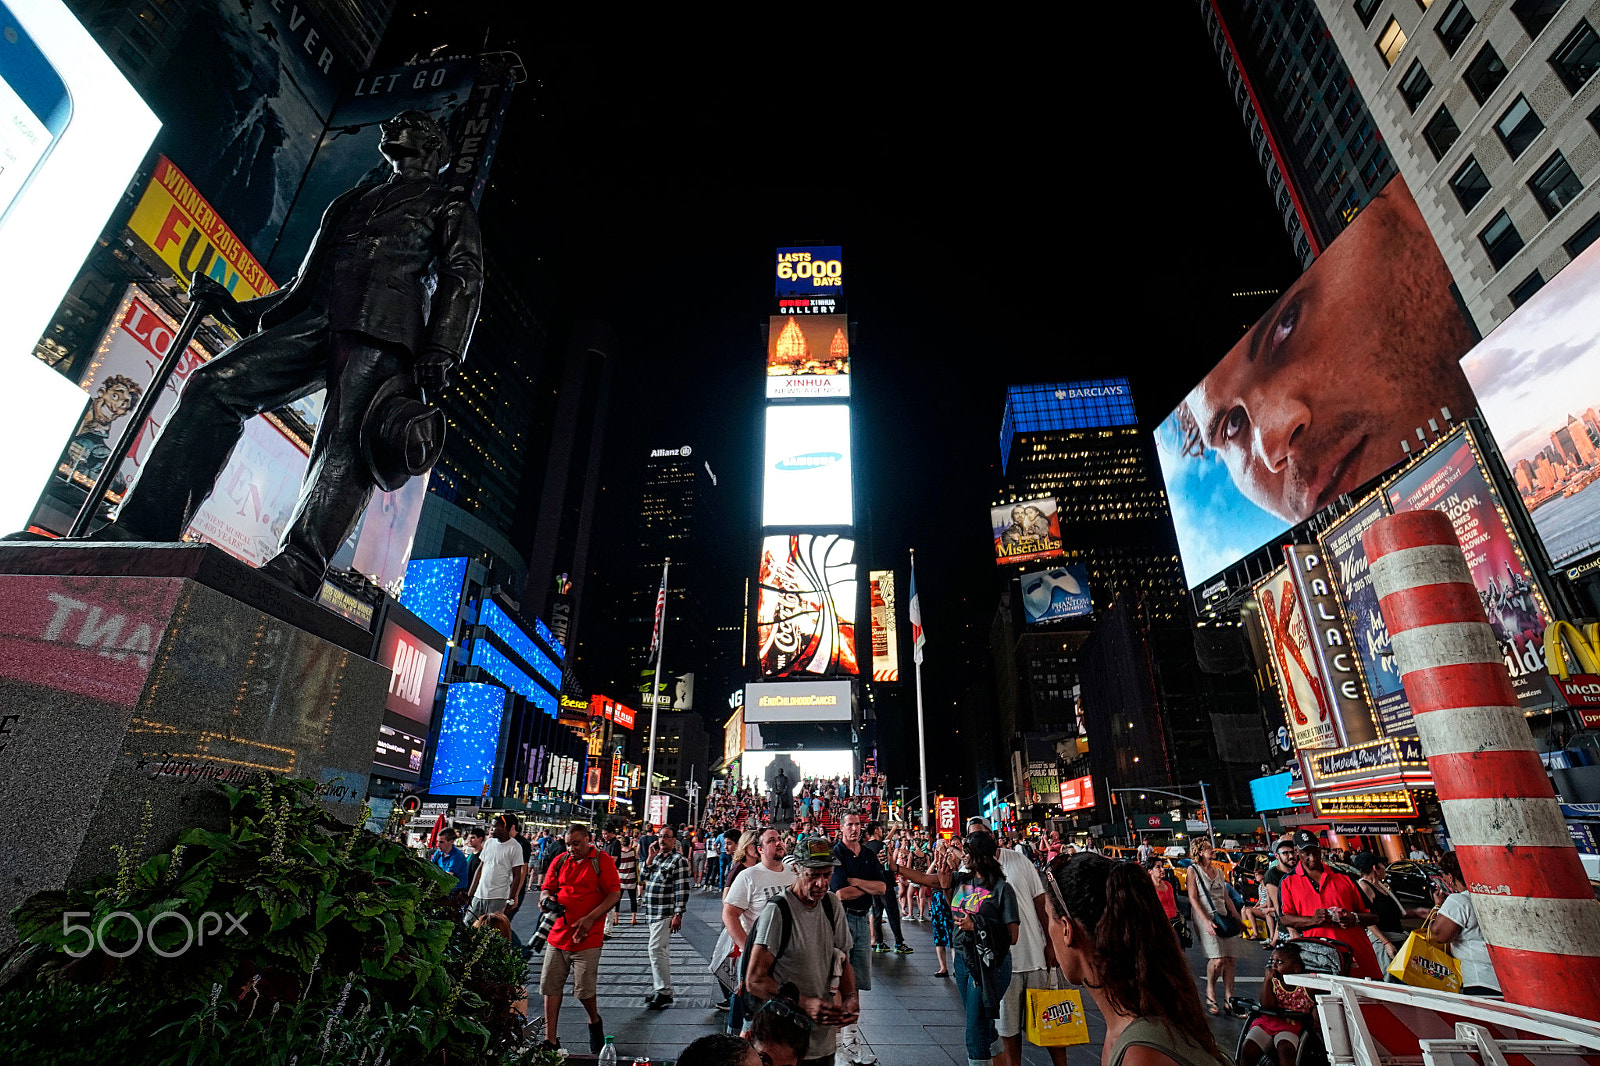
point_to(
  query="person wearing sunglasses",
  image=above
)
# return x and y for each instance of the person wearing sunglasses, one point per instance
(1111, 936)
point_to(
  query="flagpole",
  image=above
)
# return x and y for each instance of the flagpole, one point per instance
(922, 737)
(655, 695)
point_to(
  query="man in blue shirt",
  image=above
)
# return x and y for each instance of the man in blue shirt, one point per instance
(450, 858)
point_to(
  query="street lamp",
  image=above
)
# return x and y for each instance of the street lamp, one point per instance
(1205, 807)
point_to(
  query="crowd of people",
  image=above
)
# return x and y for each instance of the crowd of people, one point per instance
(814, 803)
(804, 912)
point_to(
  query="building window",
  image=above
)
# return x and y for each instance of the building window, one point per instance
(1535, 15)
(1441, 132)
(1584, 237)
(1470, 184)
(1365, 9)
(1391, 41)
(1454, 25)
(1350, 206)
(1578, 57)
(1347, 113)
(1415, 85)
(1554, 185)
(1485, 73)
(1373, 173)
(1324, 153)
(1500, 239)
(1518, 127)
(1530, 285)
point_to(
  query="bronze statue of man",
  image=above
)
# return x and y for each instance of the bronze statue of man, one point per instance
(382, 306)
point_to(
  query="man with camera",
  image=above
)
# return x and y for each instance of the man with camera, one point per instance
(580, 886)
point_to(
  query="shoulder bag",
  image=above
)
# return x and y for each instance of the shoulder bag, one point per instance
(1227, 924)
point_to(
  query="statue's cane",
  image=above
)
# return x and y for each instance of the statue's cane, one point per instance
(199, 308)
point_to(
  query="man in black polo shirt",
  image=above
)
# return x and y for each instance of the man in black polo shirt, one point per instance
(856, 880)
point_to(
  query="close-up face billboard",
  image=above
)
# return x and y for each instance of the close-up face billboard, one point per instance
(1537, 377)
(1060, 592)
(806, 607)
(1306, 703)
(1025, 530)
(807, 468)
(808, 356)
(1315, 399)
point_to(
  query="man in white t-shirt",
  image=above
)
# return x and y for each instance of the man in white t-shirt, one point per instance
(499, 875)
(752, 888)
(1146, 852)
(1032, 958)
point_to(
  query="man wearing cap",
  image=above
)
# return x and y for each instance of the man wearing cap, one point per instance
(1320, 901)
(1272, 878)
(858, 879)
(802, 939)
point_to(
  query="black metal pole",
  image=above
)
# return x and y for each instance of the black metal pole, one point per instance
(199, 308)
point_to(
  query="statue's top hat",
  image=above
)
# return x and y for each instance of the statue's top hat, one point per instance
(402, 435)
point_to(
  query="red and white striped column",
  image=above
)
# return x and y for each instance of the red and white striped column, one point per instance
(1528, 887)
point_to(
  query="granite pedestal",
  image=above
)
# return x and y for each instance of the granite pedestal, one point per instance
(151, 672)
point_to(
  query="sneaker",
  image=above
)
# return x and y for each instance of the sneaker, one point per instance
(903, 949)
(597, 1037)
(720, 1007)
(660, 1001)
(880, 947)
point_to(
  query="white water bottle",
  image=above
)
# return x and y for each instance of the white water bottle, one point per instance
(608, 1054)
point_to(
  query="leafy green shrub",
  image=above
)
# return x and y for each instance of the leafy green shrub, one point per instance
(290, 933)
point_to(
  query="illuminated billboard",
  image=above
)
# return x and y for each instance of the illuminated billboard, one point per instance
(1451, 479)
(797, 701)
(808, 356)
(1060, 592)
(809, 272)
(469, 737)
(1306, 703)
(1025, 531)
(1537, 377)
(806, 606)
(1045, 407)
(885, 626)
(807, 466)
(1077, 794)
(183, 230)
(72, 134)
(414, 663)
(1314, 401)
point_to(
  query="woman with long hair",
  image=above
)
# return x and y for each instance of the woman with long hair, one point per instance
(987, 922)
(946, 859)
(745, 854)
(1209, 902)
(1110, 935)
(628, 875)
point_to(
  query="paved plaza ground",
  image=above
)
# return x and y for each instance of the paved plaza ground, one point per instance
(911, 1018)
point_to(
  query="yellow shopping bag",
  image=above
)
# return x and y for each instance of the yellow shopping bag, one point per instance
(1423, 963)
(1056, 1018)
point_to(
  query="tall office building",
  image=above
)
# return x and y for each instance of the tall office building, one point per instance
(1323, 156)
(1492, 109)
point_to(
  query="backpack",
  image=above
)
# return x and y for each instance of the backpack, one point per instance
(555, 867)
(786, 916)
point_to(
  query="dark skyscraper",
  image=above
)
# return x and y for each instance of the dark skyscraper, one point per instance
(1323, 156)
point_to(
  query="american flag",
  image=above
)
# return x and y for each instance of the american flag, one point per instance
(917, 639)
(661, 610)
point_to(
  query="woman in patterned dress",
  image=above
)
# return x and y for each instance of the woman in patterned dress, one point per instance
(945, 858)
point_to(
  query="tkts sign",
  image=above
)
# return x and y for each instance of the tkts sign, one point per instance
(947, 816)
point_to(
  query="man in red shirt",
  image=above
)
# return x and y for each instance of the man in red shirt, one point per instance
(583, 879)
(1319, 901)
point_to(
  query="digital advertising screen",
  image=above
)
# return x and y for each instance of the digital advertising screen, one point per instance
(1025, 531)
(817, 271)
(414, 664)
(1537, 377)
(187, 234)
(1306, 703)
(822, 764)
(1358, 600)
(808, 356)
(73, 132)
(469, 738)
(1057, 593)
(1077, 793)
(806, 607)
(807, 466)
(798, 701)
(1314, 401)
(885, 626)
(255, 496)
(1450, 478)
(1271, 793)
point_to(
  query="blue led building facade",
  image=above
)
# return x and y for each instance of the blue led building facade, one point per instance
(1092, 404)
(469, 739)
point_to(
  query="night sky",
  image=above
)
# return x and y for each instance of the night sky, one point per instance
(1016, 202)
